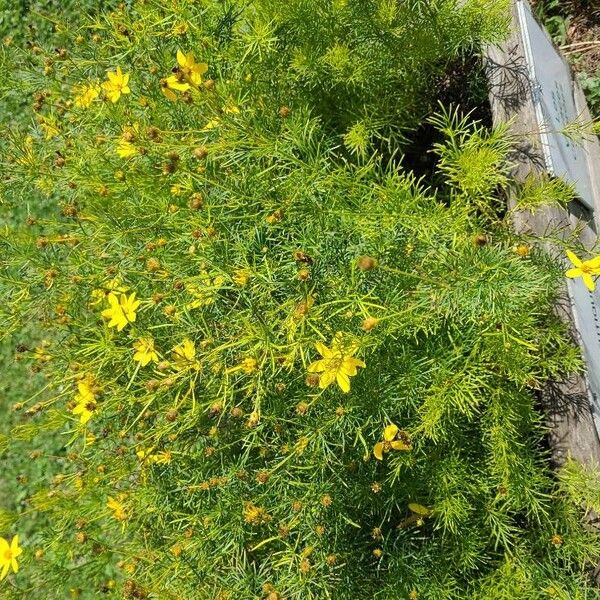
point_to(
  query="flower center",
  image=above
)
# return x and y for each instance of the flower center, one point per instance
(585, 268)
(7, 555)
(334, 364)
(387, 446)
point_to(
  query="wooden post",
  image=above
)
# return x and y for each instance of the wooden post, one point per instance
(515, 99)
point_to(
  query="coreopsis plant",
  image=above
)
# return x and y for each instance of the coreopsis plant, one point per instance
(278, 365)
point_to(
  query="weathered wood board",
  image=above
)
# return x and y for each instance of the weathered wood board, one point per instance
(533, 89)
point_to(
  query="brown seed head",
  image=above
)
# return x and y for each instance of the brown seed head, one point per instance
(366, 263)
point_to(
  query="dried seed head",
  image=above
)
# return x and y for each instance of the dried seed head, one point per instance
(262, 476)
(301, 256)
(302, 408)
(196, 201)
(153, 134)
(168, 168)
(480, 239)
(152, 264)
(366, 263)
(305, 565)
(312, 380)
(200, 153)
(81, 537)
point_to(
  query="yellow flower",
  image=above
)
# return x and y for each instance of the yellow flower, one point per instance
(248, 365)
(126, 149)
(145, 351)
(212, 124)
(393, 439)
(191, 70)
(116, 285)
(117, 508)
(40, 353)
(184, 353)
(8, 556)
(148, 456)
(241, 277)
(337, 363)
(122, 310)
(168, 85)
(180, 28)
(162, 458)
(116, 85)
(584, 269)
(255, 515)
(28, 157)
(177, 189)
(86, 94)
(205, 292)
(86, 401)
(50, 128)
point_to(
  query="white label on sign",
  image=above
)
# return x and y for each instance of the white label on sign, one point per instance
(555, 106)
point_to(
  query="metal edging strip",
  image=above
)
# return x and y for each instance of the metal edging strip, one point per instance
(539, 113)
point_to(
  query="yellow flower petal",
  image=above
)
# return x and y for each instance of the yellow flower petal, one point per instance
(378, 450)
(389, 433)
(343, 381)
(323, 350)
(572, 273)
(317, 367)
(326, 379)
(15, 548)
(169, 94)
(593, 263)
(573, 258)
(400, 445)
(589, 282)
(349, 365)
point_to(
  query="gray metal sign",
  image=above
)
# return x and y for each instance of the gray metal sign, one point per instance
(586, 313)
(554, 102)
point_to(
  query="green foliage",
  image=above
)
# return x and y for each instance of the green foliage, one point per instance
(590, 82)
(254, 217)
(540, 190)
